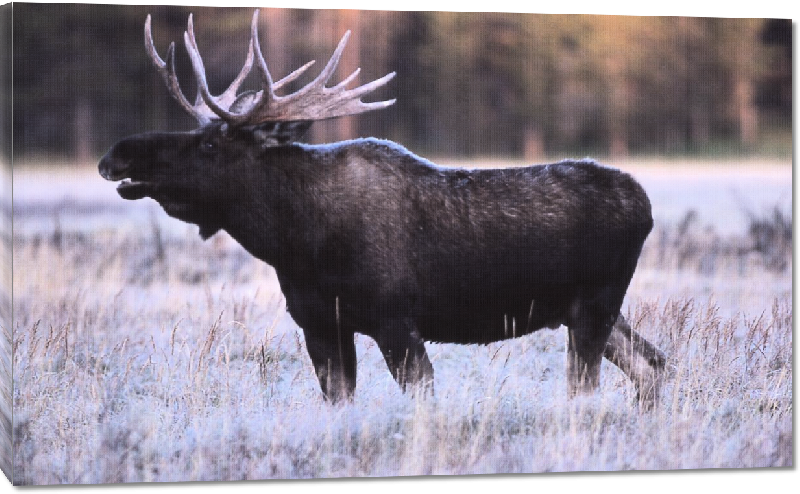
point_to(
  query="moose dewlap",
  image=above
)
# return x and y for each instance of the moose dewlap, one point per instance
(366, 237)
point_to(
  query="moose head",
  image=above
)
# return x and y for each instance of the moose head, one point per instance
(184, 171)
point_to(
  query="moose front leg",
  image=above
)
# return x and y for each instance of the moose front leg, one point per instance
(334, 359)
(642, 362)
(404, 352)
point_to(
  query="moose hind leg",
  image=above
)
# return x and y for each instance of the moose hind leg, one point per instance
(642, 362)
(404, 352)
(588, 327)
(584, 355)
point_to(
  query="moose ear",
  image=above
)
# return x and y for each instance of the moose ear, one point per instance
(274, 134)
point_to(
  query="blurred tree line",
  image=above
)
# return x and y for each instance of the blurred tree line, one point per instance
(467, 84)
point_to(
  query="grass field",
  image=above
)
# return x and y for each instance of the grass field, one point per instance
(142, 353)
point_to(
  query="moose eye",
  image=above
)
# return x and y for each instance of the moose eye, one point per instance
(208, 146)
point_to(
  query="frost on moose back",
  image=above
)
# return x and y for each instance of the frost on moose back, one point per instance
(366, 237)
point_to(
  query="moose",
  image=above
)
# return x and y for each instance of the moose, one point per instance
(366, 237)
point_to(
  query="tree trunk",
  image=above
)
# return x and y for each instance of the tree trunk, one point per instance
(748, 113)
(82, 131)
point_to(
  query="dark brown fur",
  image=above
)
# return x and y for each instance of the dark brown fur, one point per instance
(366, 237)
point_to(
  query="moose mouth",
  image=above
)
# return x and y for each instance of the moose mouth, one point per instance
(174, 202)
(133, 190)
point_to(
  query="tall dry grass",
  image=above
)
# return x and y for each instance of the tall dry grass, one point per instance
(6, 384)
(151, 357)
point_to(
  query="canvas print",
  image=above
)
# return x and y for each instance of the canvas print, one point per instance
(260, 243)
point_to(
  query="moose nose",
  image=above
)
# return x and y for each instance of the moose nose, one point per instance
(105, 167)
(111, 168)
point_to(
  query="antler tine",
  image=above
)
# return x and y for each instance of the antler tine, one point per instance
(167, 71)
(294, 75)
(261, 64)
(347, 80)
(330, 67)
(314, 101)
(220, 105)
(229, 96)
(200, 74)
(370, 86)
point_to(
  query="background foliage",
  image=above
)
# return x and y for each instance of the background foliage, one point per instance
(469, 84)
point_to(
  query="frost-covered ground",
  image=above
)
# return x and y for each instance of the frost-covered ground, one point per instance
(144, 354)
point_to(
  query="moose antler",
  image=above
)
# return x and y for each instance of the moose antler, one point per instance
(314, 101)
(199, 109)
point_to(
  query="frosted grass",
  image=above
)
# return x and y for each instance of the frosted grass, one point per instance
(140, 361)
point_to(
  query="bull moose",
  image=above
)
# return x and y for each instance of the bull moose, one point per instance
(367, 237)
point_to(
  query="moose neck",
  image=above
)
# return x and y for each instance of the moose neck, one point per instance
(278, 202)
